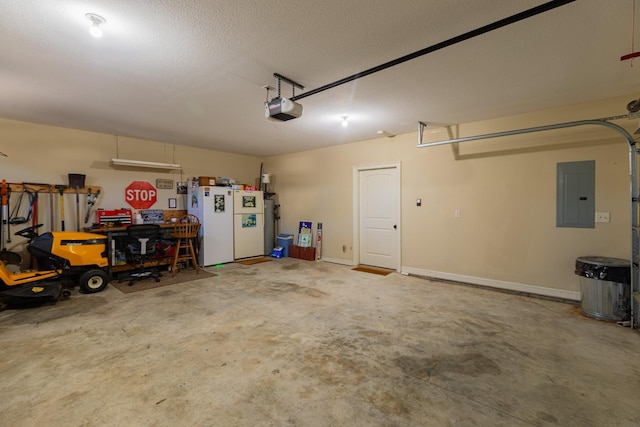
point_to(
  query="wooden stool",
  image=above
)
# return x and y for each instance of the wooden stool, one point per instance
(185, 230)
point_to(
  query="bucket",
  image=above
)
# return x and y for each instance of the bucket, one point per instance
(605, 300)
(605, 285)
(76, 180)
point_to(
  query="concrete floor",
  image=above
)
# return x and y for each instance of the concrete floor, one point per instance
(299, 343)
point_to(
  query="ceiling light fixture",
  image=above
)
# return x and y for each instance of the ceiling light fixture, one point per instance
(96, 21)
(345, 121)
(144, 164)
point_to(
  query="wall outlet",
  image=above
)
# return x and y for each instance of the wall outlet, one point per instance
(457, 213)
(602, 216)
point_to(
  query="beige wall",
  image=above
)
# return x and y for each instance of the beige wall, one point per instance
(505, 189)
(47, 154)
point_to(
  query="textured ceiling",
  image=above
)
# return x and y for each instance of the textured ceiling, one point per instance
(192, 72)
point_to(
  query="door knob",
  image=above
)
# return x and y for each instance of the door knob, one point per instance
(395, 227)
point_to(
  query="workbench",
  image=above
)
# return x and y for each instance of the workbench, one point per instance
(115, 234)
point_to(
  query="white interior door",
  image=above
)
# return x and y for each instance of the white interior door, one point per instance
(379, 206)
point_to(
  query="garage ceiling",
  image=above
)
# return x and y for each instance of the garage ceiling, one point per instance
(192, 73)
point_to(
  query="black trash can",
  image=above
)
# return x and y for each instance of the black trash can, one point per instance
(605, 285)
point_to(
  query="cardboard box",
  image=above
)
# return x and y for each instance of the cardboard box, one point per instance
(307, 254)
(294, 251)
(173, 213)
(206, 180)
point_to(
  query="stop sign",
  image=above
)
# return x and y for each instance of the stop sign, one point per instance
(140, 195)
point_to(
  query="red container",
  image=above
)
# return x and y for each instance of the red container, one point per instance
(114, 217)
(294, 251)
(308, 254)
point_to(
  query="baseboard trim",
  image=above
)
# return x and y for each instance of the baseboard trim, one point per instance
(498, 284)
(338, 261)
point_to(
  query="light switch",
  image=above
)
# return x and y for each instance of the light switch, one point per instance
(602, 217)
(456, 213)
(418, 202)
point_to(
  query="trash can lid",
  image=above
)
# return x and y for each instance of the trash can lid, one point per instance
(603, 268)
(601, 260)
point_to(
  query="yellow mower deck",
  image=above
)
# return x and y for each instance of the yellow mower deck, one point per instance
(80, 248)
(13, 279)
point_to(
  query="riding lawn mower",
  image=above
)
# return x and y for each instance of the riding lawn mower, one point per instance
(63, 259)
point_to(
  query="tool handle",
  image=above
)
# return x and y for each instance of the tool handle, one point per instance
(61, 190)
(86, 216)
(90, 202)
(4, 192)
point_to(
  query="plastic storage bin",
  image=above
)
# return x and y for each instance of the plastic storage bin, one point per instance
(605, 284)
(284, 241)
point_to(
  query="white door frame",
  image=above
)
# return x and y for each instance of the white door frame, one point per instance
(356, 208)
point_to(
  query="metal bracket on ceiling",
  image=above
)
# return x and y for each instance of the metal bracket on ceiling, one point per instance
(293, 84)
(422, 126)
(455, 148)
(634, 113)
(604, 121)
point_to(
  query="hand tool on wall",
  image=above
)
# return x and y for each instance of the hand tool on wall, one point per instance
(51, 213)
(4, 213)
(77, 210)
(8, 215)
(34, 209)
(90, 202)
(14, 219)
(34, 223)
(61, 191)
(33, 191)
(13, 213)
(5, 255)
(86, 215)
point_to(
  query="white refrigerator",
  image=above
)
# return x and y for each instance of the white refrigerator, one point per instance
(214, 207)
(248, 223)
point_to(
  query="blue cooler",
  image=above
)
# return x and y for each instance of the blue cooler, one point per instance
(284, 241)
